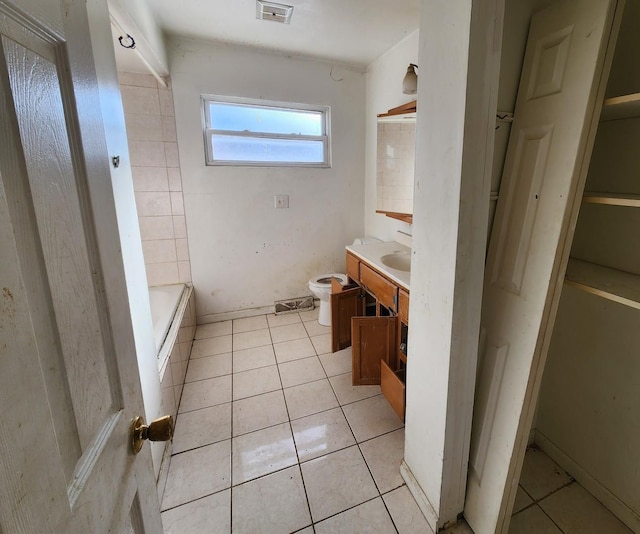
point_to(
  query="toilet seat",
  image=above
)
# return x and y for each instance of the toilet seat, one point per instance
(324, 280)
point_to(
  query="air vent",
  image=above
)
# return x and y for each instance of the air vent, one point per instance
(293, 305)
(273, 12)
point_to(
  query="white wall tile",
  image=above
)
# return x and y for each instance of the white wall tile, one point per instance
(159, 251)
(153, 203)
(159, 274)
(140, 100)
(151, 133)
(179, 226)
(166, 102)
(150, 179)
(169, 129)
(184, 270)
(177, 203)
(182, 250)
(171, 152)
(175, 179)
(137, 79)
(156, 227)
(141, 127)
(147, 154)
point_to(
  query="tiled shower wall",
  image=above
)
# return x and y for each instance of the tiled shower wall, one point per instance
(153, 148)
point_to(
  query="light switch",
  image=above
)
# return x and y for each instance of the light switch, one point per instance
(281, 201)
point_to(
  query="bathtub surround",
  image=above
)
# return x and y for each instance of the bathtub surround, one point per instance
(157, 179)
(245, 253)
(175, 354)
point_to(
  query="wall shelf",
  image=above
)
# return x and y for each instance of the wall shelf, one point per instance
(621, 107)
(404, 217)
(612, 199)
(611, 284)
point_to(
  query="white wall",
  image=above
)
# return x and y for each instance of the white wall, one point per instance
(588, 413)
(245, 253)
(384, 91)
(457, 95)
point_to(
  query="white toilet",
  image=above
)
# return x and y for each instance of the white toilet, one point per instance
(320, 286)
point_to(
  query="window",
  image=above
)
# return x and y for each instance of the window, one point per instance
(240, 131)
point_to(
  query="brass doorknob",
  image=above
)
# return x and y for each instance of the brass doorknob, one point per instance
(159, 430)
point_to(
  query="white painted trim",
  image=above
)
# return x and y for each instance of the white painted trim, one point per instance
(420, 497)
(593, 486)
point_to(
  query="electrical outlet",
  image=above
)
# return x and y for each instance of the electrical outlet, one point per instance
(281, 201)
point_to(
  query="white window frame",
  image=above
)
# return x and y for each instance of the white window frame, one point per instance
(325, 112)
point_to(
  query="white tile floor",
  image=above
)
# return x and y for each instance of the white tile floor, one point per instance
(549, 501)
(271, 437)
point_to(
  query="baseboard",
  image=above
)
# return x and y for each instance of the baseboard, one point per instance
(610, 501)
(238, 314)
(421, 499)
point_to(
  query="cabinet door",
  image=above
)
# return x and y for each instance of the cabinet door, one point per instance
(346, 302)
(374, 340)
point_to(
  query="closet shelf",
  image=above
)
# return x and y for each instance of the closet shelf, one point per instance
(611, 199)
(611, 284)
(621, 107)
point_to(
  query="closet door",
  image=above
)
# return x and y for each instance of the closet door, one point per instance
(559, 98)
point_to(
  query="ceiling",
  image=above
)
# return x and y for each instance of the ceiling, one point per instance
(347, 31)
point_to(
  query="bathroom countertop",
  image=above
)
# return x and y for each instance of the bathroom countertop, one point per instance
(372, 253)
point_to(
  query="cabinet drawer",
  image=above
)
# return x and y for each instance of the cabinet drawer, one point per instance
(393, 388)
(385, 291)
(403, 306)
(353, 267)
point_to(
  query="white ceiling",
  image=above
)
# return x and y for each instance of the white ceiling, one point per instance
(349, 31)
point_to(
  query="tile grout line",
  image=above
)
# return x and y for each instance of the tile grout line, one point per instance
(295, 445)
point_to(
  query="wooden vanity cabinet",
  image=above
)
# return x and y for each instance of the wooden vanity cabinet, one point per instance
(371, 314)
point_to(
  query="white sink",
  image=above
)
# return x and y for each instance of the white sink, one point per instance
(401, 261)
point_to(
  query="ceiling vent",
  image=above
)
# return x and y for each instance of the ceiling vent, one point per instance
(274, 12)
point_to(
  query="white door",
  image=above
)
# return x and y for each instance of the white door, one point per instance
(67, 396)
(561, 91)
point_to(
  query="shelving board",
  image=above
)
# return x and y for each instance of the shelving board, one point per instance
(612, 199)
(605, 282)
(621, 107)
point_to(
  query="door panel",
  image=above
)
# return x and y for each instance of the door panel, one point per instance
(65, 431)
(560, 95)
(374, 340)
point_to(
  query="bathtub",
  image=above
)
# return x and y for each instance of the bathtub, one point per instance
(165, 301)
(173, 311)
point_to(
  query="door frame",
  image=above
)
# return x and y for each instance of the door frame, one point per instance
(109, 190)
(552, 301)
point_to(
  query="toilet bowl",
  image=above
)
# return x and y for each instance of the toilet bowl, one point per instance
(320, 286)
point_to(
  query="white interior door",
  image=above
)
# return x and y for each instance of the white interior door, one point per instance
(561, 90)
(67, 398)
